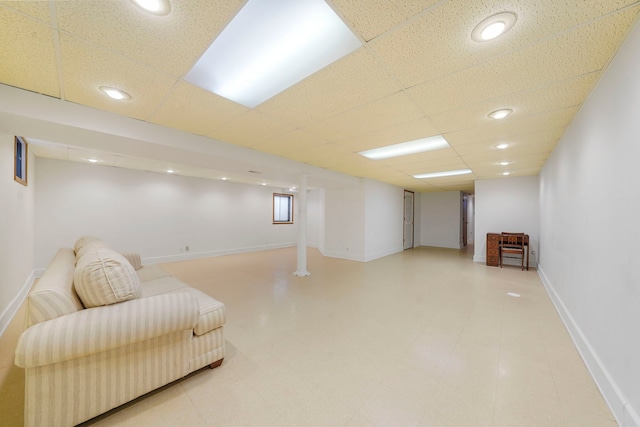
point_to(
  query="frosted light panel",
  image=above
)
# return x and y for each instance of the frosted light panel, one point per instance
(442, 174)
(405, 148)
(269, 46)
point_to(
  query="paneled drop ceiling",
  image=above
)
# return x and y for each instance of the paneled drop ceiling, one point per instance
(418, 74)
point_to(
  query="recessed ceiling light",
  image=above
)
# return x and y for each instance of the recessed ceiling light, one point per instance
(513, 294)
(264, 183)
(157, 7)
(114, 93)
(269, 46)
(500, 114)
(502, 146)
(504, 163)
(92, 160)
(170, 171)
(404, 148)
(224, 178)
(493, 26)
(441, 174)
(506, 173)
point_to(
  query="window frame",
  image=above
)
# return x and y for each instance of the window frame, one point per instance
(277, 196)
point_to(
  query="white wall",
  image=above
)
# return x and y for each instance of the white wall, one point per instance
(315, 218)
(151, 213)
(364, 221)
(590, 256)
(441, 219)
(384, 218)
(506, 204)
(344, 222)
(16, 232)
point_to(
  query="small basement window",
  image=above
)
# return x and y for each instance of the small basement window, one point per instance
(282, 208)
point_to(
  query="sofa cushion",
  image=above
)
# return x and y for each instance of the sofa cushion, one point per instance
(53, 295)
(104, 277)
(212, 312)
(85, 243)
(160, 285)
(134, 259)
(151, 272)
(157, 282)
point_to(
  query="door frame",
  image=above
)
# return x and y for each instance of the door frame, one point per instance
(404, 219)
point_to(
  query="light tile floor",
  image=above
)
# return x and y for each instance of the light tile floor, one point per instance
(425, 337)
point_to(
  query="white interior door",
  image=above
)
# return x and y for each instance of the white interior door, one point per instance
(408, 219)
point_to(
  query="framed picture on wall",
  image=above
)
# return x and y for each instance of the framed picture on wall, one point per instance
(20, 160)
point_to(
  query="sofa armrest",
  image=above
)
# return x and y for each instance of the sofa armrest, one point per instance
(98, 329)
(134, 260)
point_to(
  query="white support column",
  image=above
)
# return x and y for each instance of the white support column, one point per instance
(302, 228)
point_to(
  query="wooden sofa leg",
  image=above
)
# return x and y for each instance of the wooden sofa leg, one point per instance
(216, 363)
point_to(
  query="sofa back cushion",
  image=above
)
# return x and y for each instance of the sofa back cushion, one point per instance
(104, 277)
(86, 243)
(53, 295)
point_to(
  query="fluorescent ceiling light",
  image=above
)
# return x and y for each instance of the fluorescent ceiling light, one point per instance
(269, 46)
(441, 174)
(412, 147)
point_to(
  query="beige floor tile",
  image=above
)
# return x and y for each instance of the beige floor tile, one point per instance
(463, 402)
(537, 404)
(425, 337)
(359, 421)
(317, 408)
(386, 407)
(579, 397)
(9, 339)
(12, 396)
(581, 418)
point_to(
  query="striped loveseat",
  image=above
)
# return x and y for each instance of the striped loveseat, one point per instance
(103, 330)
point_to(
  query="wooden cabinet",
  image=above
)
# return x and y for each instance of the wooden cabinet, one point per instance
(493, 249)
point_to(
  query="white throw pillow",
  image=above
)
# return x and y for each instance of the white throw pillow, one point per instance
(104, 277)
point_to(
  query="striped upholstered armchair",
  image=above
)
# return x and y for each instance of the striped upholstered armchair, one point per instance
(104, 330)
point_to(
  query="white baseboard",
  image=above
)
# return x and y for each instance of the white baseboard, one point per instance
(222, 252)
(480, 258)
(382, 254)
(7, 315)
(625, 414)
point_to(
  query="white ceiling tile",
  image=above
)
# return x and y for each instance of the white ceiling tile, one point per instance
(28, 54)
(170, 44)
(418, 75)
(383, 113)
(354, 80)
